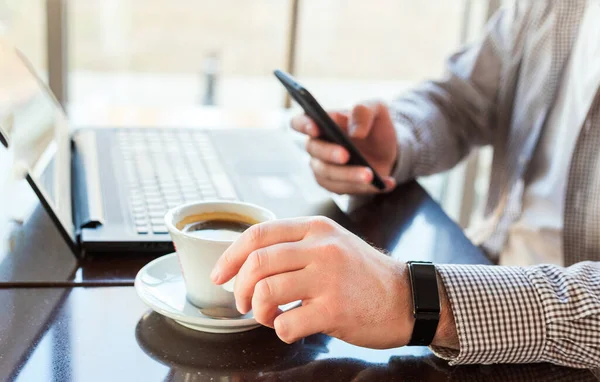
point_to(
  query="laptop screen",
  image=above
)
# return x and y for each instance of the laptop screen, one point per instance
(36, 131)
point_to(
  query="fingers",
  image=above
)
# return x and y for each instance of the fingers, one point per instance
(265, 262)
(363, 117)
(342, 188)
(277, 290)
(341, 173)
(347, 179)
(301, 322)
(357, 123)
(258, 236)
(303, 124)
(326, 151)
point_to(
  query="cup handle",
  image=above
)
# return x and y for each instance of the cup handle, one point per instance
(228, 286)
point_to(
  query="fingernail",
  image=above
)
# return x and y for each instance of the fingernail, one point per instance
(241, 308)
(214, 275)
(367, 174)
(339, 156)
(237, 306)
(309, 129)
(390, 184)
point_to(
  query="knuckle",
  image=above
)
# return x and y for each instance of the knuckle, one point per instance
(331, 249)
(255, 261)
(360, 110)
(331, 252)
(322, 224)
(263, 290)
(257, 233)
(260, 313)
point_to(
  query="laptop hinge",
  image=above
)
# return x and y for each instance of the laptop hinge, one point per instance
(87, 190)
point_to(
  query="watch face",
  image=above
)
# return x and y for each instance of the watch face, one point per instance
(425, 289)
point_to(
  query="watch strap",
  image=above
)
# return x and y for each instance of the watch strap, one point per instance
(423, 332)
(426, 302)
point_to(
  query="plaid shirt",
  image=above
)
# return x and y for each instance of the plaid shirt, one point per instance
(499, 92)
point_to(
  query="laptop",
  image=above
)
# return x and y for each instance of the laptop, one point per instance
(107, 189)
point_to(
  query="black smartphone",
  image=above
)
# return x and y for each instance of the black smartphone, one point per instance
(330, 131)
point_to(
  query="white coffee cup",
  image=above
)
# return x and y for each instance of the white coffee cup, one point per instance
(197, 255)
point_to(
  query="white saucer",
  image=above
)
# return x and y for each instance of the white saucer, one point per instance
(160, 285)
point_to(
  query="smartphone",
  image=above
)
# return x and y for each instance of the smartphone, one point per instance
(330, 131)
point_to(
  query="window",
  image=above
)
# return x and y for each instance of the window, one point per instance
(193, 53)
(180, 52)
(24, 23)
(352, 50)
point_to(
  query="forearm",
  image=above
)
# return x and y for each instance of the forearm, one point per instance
(439, 122)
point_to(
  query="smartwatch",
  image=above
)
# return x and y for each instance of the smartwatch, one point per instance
(426, 302)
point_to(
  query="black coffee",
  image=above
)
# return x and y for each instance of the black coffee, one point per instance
(216, 229)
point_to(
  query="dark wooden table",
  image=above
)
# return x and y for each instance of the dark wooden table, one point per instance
(64, 320)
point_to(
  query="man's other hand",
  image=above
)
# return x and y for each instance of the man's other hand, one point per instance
(370, 128)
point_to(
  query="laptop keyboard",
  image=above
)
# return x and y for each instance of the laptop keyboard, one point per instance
(165, 168)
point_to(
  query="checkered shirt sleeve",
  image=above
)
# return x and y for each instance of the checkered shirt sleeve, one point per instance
(542, 313)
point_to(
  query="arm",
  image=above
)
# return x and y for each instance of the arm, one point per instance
(349, 290)
(542, 313)
(440, 121)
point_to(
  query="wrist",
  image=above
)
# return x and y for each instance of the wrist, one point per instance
(407, 321)
(445, 335)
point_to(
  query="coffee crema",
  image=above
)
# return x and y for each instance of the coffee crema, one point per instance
(221, 226)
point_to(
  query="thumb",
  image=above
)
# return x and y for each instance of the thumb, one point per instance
(364, 116)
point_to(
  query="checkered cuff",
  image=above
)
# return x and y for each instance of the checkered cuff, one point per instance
(542, 313)
(498, 315)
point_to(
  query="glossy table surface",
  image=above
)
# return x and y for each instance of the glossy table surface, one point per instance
(105, 332)
(68, 320)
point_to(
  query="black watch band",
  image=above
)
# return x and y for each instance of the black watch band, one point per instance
(426, 302)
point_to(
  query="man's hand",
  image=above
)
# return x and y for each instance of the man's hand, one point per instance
(348, 289)
(371, 129)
